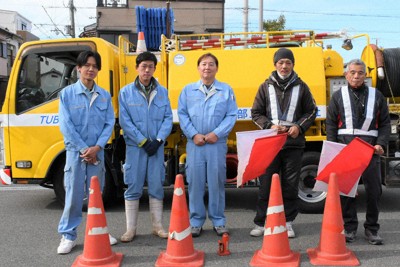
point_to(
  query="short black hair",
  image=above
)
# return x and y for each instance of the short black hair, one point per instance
(84, 56)
(146, 56)
(207, 55)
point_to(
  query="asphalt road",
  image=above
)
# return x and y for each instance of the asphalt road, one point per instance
(30, 214)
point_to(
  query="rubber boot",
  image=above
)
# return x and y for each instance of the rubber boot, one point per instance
(131, 212)
(156, 210)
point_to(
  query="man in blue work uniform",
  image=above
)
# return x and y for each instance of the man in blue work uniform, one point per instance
(86, 122)
(207, 112)
(145, 116)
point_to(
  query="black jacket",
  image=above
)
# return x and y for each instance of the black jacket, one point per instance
(305, 113)
(336, 120)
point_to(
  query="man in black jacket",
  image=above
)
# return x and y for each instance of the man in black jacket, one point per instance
(283, 102)
(360, 111)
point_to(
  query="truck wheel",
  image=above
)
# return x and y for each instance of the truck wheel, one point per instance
(58, 182)
(310, 201)
(170, 171)
(109, 191)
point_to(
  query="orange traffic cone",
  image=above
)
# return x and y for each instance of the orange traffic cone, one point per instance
(332, 245)
(141, 43)
(180, 250)
(275, 250)
(97, 248)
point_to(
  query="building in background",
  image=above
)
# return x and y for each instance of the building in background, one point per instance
(14, 30)
(118, 17)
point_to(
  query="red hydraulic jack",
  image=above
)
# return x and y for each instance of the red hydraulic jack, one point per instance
(223, 245)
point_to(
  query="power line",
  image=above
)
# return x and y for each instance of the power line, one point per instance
(319, 13)
(236, 25)
(41, 30)
(49, 24)
(80, 7)
(53, 22)
(336, 14)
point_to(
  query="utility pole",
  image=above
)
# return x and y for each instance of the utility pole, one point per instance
(245, 15)
(168, 20)
(261, 19)
(72, 18)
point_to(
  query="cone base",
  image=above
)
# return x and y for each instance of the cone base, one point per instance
(195, 260)
(317, 257)
(225, 253)
(114, 260)
(261, 259)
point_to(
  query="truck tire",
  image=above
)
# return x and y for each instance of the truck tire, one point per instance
(58, 181)
(109, 191)
(110, 194)
(310, 201)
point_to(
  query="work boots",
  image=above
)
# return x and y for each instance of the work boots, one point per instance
(156, 210)
(131, 212)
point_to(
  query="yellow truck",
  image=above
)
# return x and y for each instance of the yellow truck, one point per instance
(31, 145)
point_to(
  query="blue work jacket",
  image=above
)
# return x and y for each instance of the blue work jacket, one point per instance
(200, 113)
(141, 119)
(85, 124)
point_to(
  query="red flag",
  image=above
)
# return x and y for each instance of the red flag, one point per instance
(348, 165)
(262, 152)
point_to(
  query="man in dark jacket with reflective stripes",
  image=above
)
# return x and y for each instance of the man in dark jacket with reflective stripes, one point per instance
(360, 111)
(283, 102)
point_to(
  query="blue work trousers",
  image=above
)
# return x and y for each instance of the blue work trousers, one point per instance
(138, 168)
(206, 165)
(77, 175)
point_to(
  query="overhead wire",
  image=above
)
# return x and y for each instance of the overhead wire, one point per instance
(320, 13)
(53, 22)
(236, 25)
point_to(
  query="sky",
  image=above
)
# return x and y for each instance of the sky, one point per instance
(47, 15)
(379, 19)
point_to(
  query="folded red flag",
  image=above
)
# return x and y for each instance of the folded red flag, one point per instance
(262, 153)
(348, 164)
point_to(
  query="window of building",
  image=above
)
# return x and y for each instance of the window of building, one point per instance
(113, 37)
(3, 50)
(113, 3)
(10, 57)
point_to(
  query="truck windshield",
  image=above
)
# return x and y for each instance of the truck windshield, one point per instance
(44, 72)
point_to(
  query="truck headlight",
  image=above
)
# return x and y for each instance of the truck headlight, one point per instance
(24, 164)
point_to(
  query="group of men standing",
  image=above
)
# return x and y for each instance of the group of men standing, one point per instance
(207, 112)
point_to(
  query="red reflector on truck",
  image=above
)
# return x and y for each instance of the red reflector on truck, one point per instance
(5, 176)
